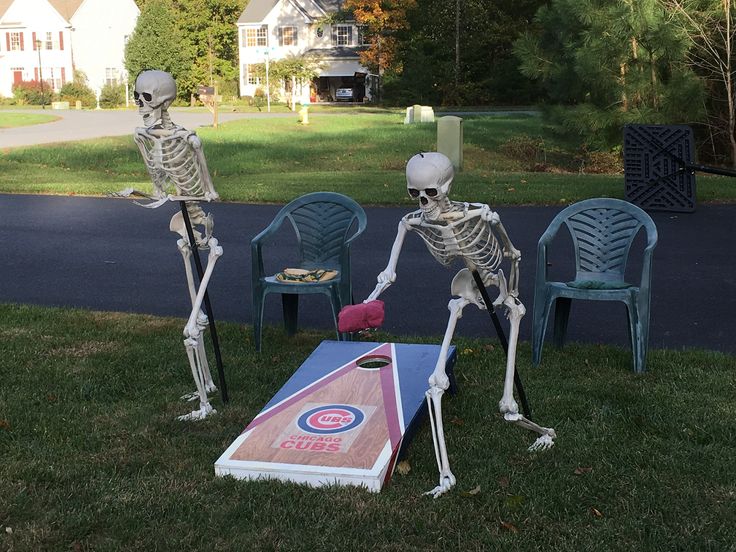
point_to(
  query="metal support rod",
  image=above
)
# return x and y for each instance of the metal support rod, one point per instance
(504, 342)
(207, 304)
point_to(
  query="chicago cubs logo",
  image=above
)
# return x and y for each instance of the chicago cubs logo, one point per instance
(330, 419)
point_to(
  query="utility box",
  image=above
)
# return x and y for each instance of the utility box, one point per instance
(450, 139)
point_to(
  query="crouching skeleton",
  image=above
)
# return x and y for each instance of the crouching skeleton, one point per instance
(177, 167)
(473, 233)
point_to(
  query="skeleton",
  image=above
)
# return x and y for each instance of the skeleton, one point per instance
(472, 233)
(177, 166)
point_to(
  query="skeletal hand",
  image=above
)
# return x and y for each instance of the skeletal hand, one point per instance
(385, 279)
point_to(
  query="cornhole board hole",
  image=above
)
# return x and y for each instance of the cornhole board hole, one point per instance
(342, 418)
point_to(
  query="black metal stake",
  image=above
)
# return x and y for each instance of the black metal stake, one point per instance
(504, 342)
(207, 304)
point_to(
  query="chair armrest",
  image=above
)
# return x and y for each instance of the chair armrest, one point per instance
(547, 237)
(256, 246)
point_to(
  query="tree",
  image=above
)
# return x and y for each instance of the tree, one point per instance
(381, 20)
(209, 26)
(459, 53)
(157, 43)
(613, 61)
(711, 33)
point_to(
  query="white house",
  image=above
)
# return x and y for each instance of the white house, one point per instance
(50, 39)
(271, 30)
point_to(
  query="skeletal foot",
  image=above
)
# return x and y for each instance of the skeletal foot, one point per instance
(544, 442)
(196, 415)
(447, 482)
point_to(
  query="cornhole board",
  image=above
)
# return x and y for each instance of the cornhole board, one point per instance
(342, 418)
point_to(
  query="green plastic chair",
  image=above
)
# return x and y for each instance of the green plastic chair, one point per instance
(602, 232)
(325, 225)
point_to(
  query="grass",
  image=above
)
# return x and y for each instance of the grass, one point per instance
(362, 155)
(91, 457)
(11, 120)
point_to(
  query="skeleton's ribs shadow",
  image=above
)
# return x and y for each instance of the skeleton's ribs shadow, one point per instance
(175, 161)
(474, 234)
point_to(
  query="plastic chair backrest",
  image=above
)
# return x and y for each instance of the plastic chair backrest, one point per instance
(322, 222)
(602, 231)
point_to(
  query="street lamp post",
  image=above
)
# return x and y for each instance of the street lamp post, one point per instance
(40, 74)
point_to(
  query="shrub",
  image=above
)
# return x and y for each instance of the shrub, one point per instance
(78, 91)
(32, 92)
(112, 95)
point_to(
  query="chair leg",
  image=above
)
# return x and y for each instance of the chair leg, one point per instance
(542, 307)
(336, 304)
(290, 306)
(639, 329)
(259, 299)
(562, 314)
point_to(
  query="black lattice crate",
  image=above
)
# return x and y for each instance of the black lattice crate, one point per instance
(655, 173)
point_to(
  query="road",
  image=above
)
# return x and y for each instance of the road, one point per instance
(109, 254)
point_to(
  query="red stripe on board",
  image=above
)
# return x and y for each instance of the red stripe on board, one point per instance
(388, 388)
(286, 403)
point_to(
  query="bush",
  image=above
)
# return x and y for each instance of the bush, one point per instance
(78, 91)
(32, 92)
(112, 95)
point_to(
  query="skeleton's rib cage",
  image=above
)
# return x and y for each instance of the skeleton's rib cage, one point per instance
(174, 160)
(469, 238)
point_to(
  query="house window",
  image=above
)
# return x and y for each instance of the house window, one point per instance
(54, 78)
(14, 41)
(49, 43)
(363, 36)
(342, 35)
(255, 36)
(249, 77)
(287, 36)
(111, 76)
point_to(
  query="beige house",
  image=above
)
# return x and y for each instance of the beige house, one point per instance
(271, 30)
(53, 38)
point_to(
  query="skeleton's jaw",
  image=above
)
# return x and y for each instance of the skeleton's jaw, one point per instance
(434, 210)
(150, 117)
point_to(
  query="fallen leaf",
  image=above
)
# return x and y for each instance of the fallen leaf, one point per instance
(504, 482)
(9, 530)
(511, 189)
(4, 424)
(580, 470)
(472, 492)
(457, 421)
(489, 347)
(597, 513)
(509, 526)
(403, 467)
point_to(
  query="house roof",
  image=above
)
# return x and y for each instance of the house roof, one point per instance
(257, 10)
(4, 5)
(67, 8)
(335, 53)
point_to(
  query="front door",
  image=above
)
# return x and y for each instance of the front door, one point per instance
(17, 77)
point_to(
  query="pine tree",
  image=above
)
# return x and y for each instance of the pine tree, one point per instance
(614, 61)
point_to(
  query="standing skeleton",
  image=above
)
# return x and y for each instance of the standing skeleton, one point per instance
(474, 234)
(176, 163)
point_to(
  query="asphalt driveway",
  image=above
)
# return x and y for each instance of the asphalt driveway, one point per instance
(109, 254)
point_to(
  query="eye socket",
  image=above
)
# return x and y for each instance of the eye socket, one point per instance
(431, 192)
(146, 96)
(413, 192)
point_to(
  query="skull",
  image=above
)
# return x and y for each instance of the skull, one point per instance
(154, 92)
(429, 179)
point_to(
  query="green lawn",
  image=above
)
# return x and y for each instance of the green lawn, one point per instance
(91, 457)
(9, 120)
(362, 155)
